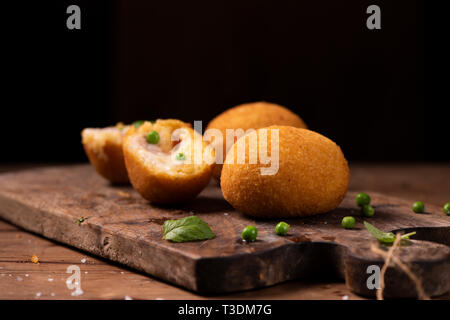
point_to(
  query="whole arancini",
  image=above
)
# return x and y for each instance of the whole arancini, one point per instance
(312, 176)
(252, 116)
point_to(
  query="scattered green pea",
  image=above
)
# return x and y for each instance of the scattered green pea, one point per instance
(368, 211)
(446, 208)
(362, 199)
(152, 137)
(180, 156)
(249, 233)
(138, 123)
(418, 207)
(282, 228)
(348, 222)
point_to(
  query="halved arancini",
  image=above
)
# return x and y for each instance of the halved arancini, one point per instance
(312, 176)
(103, 146)
(167, 161)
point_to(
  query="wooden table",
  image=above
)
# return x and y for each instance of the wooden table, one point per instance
(101, 279)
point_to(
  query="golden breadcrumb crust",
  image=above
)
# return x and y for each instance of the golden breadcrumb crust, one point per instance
(253, 116)
(312, 177)
(103, 146)
(153, 173)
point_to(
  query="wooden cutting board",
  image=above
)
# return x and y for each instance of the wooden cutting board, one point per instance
(123, 227)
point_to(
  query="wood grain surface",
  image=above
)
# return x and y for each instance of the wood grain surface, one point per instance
(47, 191)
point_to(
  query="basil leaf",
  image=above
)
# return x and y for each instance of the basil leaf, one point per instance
(187, 229)
(384, 237)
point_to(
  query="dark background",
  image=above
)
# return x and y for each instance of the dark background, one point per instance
(191, 60)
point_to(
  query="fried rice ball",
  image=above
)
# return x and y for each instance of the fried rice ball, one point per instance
(312, 175)
(252, 116)
(167, 161)
(103, 146)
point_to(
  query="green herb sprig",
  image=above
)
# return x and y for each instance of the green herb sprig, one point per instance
(385, 237)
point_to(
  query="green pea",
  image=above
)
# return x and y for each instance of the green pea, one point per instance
(180, 157)
(282, 228)
(446, 208)
(138, 123)
(368, 211)
(418, 207)
(249, 233)
(362, 199)
(152, 137)
(348, 222)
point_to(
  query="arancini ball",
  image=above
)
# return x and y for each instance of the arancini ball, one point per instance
(103, 146)
(252, 116)
(312, 176)
(167, 161)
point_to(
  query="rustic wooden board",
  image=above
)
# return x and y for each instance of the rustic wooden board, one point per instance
(123, 227)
